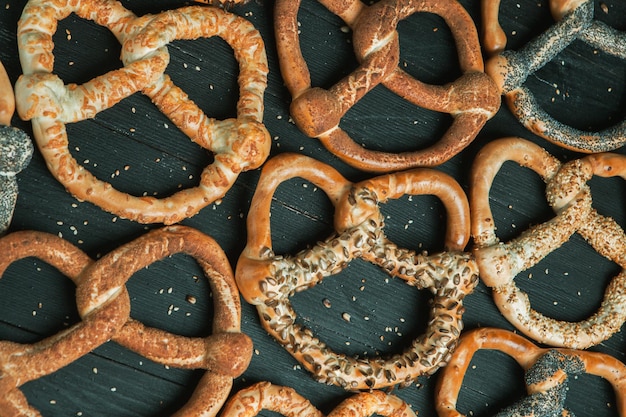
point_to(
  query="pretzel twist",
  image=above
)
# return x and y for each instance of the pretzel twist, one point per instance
(569, 195)
(547, 372)
(238, 144)
(267, 280)
(471, 100)
(250, 401)
(104, 307)
(510, 69)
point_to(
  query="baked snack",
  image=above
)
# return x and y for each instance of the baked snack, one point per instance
(267, 280)
(237, 144)
(569, 195)
(104, 306)
(471, 100)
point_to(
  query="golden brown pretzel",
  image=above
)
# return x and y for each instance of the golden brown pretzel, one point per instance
(471, 100)
(509, 69)
(238, 144)
(546, 373)
(570, 197)
(267, 280)
(104, 307)
(286, 401)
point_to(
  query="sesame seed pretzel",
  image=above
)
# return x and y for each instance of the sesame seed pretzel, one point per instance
(250, 401)
(568, 194)
(267, 280)
(16, 151)
(104, 307)
(510, 69)
(546, 373)
(238, 144)
(471, 100)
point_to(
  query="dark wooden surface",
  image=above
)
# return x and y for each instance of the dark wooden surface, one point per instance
(582, 87)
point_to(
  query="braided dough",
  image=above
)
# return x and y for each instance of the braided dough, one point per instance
(286, 401)
(546, 373)
(510, 69)
(238, 144)
(267, 280)
(471, 100)
(570, 197)
(16, 150)
(104, 306)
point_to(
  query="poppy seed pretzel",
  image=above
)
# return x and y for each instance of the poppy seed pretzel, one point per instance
(267, 280)
(510, 69)
(547, 371)
(104, 307)
(570, 197)
(250, 401)
(238, 144)
(471, 100)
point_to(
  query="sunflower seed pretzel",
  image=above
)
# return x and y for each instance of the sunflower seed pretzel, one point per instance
(568, 194)
(104, 306)
(510, 69)
(16, 150)
(267, 280)
(250, 401)
(471, 100)
(238, 144)
(547, 372)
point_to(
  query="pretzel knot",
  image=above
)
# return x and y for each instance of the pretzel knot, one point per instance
(268, 280)
(570, 197)
(250, 401)
(471, 100)
(237, 144)
(510, 69)
(547, 373)
(104, 306)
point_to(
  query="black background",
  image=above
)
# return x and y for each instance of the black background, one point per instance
(582, 87)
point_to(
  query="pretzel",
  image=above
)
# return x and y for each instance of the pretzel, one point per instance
(471, 100)
(267, 280)
(16, 150)
(510, 69)
(238, 144)
(570, 197)
(104, 307)
(546, 373)
(250, 401)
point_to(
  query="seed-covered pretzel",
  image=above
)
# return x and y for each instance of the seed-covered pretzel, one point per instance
(104, 306)
(267, 280)
(510, 69)
(471, 100)
(546, 373)
(570, 197)
(238, 144)
(250, 401)
(16, 150)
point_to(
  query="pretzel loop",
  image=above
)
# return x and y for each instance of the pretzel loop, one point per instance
(238, 144)
(570, 197)
(471, 100)
(547, 373)
(509, 69)
(104, 306)
(268, 280)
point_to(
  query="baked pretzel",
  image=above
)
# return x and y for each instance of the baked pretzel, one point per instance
(570, 197)
(104, 307)
(510, 69)
(250, 401)
(546, 373)
(267, 280)
(471, 100)
(238, 144)
(16, 150)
